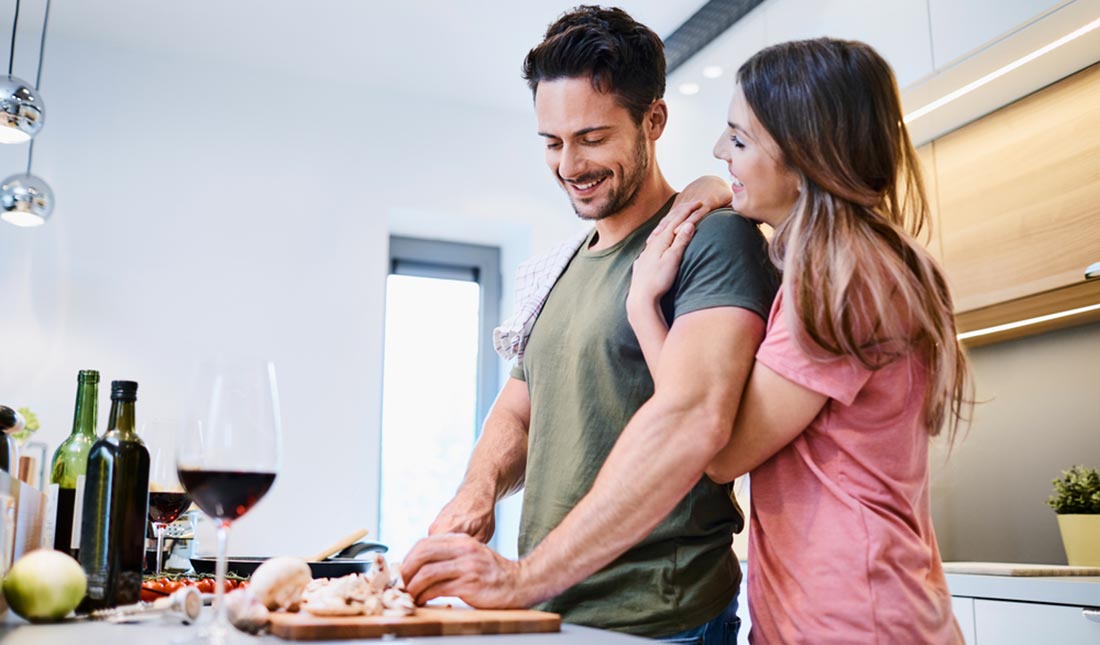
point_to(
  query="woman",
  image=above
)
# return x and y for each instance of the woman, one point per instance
(860, 365)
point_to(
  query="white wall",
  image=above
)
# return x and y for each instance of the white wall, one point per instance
(212, 209)
(1037, 415)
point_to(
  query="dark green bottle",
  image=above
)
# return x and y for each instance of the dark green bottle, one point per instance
(116, 502)
(71, 460)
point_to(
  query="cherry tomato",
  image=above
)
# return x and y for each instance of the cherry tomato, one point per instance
(153, 589)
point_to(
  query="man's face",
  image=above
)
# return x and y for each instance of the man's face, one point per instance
(597, 152)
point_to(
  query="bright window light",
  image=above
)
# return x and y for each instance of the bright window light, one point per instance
(429, 401)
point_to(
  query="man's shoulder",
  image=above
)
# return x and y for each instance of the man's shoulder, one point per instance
(725, 228)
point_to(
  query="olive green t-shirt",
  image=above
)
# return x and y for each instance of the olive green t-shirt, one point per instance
(587, 377)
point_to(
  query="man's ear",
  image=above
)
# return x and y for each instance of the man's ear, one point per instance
(655, 119)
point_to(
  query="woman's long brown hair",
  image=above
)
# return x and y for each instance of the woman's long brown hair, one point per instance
(859, 282)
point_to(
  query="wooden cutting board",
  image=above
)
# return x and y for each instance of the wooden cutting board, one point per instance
(428, 621)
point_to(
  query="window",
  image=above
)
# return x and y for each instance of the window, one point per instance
(439, 378)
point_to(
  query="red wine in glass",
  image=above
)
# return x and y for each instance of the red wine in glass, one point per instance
(229, 453)
(226, 494)
(166, 507)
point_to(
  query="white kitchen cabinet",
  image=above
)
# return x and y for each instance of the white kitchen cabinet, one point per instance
(898, 29)
(1018, 610)
(1000, 622)
(958, 28)
(964, 614)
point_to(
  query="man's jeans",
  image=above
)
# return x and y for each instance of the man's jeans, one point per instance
(719, 631)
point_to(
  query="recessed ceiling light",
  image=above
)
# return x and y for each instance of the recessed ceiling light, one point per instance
(687, 89)
(712, 71)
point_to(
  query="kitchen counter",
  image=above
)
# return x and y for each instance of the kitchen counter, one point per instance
(1081, 591)
(1024, 610)
(15, 631)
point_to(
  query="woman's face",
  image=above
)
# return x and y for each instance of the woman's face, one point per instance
(764, 187)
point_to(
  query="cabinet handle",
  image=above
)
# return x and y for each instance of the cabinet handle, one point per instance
(1092, 271)
(1091, 614)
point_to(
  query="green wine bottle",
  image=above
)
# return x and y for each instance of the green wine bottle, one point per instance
(71, 461)
(116, 503)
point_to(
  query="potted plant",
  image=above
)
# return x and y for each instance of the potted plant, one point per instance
(1076, 500)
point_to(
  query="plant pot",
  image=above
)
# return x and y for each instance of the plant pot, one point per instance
(1081, 537)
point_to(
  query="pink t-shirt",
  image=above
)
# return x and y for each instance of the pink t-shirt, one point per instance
(841, 542)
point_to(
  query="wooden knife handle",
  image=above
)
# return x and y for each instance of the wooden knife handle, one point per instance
(343, 543)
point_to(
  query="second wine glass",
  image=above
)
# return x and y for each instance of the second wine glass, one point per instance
(229, 455)
(167, 499)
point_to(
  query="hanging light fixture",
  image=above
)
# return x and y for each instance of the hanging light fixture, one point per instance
(22, 111)
(25, 200)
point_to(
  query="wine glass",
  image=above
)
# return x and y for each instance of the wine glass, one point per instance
(228, 457)
(167, 499)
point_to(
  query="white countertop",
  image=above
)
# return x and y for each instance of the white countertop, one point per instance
(1080, 591)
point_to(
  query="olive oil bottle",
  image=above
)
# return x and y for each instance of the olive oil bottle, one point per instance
(116, 503)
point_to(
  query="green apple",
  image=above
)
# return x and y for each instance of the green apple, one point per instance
(45, 585)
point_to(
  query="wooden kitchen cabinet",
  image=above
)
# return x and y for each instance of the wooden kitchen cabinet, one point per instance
(930, 236)
(1018, 204)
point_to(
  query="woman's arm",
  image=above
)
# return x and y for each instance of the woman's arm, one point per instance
(774, 410)
(656, 268)
(652, 276)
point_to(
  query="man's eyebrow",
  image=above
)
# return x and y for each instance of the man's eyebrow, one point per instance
(578, 133)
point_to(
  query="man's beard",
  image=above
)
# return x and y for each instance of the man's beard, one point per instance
(622, 197)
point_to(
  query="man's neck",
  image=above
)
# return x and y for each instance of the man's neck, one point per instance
(652, 195)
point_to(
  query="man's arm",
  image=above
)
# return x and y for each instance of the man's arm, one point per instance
(663, 450)
(658, 458)
(496, 468)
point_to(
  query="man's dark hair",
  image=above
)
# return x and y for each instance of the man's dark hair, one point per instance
(620, 55)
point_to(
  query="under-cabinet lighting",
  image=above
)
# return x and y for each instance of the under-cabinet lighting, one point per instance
(1026, 323)
(1019, 62)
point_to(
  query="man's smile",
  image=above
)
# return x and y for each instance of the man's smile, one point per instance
(587, 187)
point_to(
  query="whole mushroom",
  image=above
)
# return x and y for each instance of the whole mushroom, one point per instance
(278, 583)
(245, 611)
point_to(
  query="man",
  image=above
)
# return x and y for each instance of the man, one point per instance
(620, 529)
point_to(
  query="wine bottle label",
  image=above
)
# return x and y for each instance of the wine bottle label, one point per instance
(97, 585)
(49, 527)
(7, 531)
(78, 512)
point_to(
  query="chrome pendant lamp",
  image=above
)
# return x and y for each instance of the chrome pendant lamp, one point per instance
(25, 200)
(22, 112)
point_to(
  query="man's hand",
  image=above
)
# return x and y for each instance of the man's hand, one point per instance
(458, 565)
(466, 514)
